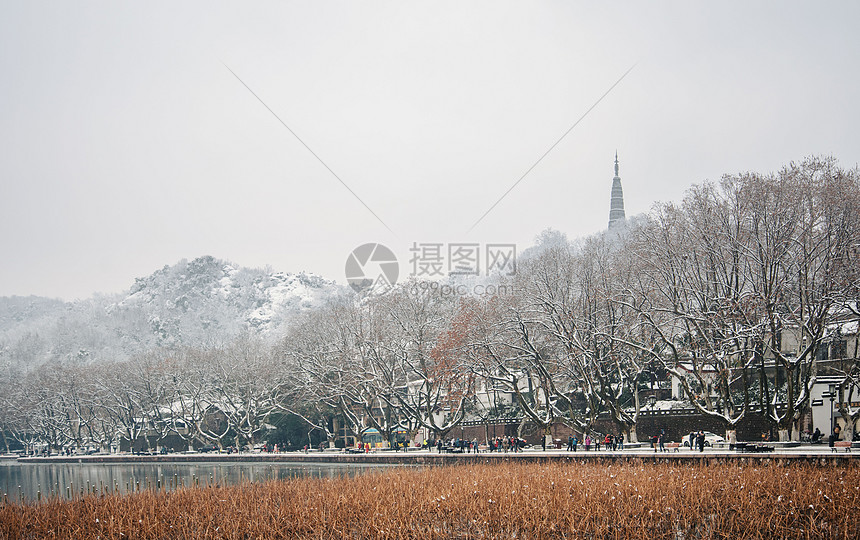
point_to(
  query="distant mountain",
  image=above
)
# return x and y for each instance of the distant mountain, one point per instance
(23, 310)
(203, 302)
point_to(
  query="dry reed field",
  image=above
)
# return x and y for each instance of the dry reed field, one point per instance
(551, 500)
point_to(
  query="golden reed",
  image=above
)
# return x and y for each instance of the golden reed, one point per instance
(551, 500)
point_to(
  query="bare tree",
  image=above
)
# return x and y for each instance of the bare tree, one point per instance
(735, 270)
(696, 294)
(510, 347)
(328, 366)
(429, 333)
(248, 387)
(120, 394)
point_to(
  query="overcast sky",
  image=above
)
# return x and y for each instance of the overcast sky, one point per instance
(126, 144)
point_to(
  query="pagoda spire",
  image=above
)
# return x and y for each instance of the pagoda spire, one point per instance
(616, 202)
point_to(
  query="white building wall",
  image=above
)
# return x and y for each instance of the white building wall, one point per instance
(823, 410)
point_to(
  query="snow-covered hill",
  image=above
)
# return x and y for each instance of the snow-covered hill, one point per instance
(202, 302)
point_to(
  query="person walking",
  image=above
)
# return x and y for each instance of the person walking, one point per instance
(700, 441)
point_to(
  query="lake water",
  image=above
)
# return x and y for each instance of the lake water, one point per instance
(35, 481)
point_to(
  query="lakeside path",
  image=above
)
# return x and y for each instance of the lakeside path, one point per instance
(804, 453)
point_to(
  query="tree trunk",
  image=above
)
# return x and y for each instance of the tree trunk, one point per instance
(630, 434)
(547, 437)
(848, 428)
(783, 435)
(732, 436)
(795, 431)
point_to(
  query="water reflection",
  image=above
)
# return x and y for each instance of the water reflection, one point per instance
(37, 481)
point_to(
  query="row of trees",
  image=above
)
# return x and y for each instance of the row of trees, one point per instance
(214, 396)
(731, 292)
(746, 280)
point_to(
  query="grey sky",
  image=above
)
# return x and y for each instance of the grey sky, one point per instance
(126, 145)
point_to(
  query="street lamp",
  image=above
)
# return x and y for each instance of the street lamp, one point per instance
(832, 389)
(652, 400)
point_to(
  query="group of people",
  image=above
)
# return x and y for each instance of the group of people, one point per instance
(503, 444)
(658, 442)
(363, 447)
(697, 440)
(817, 436)
(610, 442)
(462, 445)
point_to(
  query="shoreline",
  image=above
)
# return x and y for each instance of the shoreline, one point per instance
(424, 457)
